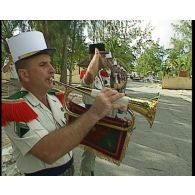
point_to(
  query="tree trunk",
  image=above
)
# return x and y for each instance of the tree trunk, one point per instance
(72, 49)
(46, 32)
(63, 77)
(70, 77)
(47, 35)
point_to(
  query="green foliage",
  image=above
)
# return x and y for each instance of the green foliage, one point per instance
(125, 39)
(180, 56)
(150, 61)
(121, 52)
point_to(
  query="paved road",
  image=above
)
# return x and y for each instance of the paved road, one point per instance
(164, 149)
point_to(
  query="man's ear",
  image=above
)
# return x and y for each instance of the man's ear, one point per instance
(23, 74)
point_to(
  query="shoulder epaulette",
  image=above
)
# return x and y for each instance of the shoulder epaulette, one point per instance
(17, 95)
(14, 108)
(83, 72)
(104, 73)
(58, 93)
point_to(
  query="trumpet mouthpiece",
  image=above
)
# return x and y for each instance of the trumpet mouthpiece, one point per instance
(52, 80)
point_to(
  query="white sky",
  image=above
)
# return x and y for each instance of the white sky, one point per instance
(163, 30)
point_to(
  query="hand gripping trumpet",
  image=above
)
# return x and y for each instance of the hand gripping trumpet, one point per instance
(110, 136)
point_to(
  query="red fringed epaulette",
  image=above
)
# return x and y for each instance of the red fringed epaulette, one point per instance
(103, 73)
(88, 77)
(58, 93)
(82, 73)
(14, 108)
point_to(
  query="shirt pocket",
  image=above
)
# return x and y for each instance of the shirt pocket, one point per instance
(21, 129)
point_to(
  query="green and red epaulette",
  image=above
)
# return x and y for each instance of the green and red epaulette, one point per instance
(58, 93)
(14, 108)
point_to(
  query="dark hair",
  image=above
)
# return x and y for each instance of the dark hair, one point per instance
(22, 64)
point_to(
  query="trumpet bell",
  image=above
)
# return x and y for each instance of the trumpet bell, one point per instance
(147, 108)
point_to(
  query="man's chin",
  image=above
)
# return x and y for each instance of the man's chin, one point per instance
(50, 86)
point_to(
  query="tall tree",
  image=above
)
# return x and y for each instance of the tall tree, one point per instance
(151, 60)
(180, 56)
(124, 38)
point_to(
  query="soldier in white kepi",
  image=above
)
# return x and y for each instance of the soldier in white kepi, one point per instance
(33, 118)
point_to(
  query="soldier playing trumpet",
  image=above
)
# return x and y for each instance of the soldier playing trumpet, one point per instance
(34, 117)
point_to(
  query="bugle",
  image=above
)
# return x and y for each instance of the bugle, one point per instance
(93, 93)
(145, 107)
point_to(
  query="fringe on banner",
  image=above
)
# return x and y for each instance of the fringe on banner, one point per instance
(107, 157)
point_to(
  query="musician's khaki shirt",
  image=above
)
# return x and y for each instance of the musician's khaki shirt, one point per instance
(34, 131)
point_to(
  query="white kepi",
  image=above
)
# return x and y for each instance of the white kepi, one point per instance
(27, 44)
(109, 55)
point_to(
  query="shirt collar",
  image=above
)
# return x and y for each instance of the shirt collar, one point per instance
(32, 99)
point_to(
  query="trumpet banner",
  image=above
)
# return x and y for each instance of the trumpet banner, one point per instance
(105, 142)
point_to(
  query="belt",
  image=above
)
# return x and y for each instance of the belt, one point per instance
(66, 169)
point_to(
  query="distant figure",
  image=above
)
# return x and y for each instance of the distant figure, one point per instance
(14, 83)
(113, 76)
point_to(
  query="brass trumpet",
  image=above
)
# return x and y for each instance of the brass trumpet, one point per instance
(146, 108)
